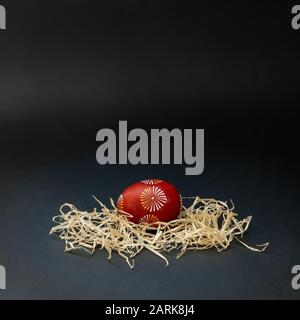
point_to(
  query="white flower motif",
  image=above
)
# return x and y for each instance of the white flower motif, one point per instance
(148, 218)
(153, 198)
(120, 203)
(152, 181)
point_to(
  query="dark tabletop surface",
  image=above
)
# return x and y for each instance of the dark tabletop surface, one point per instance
(38, 268)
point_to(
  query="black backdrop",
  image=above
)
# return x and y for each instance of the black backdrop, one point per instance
(70, 68)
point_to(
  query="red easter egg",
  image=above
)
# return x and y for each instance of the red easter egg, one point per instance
(150, 201)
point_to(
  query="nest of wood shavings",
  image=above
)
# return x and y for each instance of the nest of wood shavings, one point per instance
(205, 224)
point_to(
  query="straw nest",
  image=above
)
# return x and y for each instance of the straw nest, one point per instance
(205, 224)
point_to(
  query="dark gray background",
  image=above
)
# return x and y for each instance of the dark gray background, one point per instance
(70, 68)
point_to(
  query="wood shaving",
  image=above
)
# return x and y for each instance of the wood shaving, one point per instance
(205, 224)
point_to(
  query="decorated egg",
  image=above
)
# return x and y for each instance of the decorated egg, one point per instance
(149, 201)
